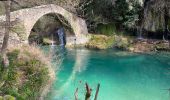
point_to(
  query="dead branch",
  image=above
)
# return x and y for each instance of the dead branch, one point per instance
(97, 91)
(88, 92)
(76, 94)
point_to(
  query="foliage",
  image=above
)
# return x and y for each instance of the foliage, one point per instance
(100, 42)
(121, 12)
(112, 41)
(26, 76)
(95, 12)
(126, 13)
(106, 29)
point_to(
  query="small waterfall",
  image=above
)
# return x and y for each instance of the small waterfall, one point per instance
(139, 32)
(144, 19)
(61, 35)
(52, 42)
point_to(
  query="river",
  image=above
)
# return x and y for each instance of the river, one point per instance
(122, 75)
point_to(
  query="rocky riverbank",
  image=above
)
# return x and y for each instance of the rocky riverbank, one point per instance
(148, 45)
(127, 43)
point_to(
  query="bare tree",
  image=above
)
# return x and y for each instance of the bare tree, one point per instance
(5, 61)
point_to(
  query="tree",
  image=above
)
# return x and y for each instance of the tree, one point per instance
(5, 61)
(95, 12)
(126, 13)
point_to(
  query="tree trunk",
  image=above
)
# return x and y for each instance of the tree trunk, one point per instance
(88, 92)
(97, 91)
(5, 61)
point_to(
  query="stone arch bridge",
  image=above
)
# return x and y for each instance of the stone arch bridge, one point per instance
(26, 19)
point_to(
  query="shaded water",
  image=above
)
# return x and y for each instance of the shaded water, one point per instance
(122, 75)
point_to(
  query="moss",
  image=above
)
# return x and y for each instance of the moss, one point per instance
(1, 98)
(2, 8)
(8, 97)
(100, 42)
(105, 42)
(122, 42)
(47, 41)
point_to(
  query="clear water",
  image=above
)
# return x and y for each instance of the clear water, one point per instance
(122, 75)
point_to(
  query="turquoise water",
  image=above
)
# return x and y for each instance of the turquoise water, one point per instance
(122, 75)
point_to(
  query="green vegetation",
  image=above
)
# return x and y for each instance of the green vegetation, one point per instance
(7, 97)
(26, 75)
(108, 29)
(100, 42)
(105, 42)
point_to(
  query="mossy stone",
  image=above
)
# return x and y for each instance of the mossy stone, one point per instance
(1, 98)
(9, 97)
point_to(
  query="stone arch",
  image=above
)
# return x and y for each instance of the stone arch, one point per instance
(50, 30)
(29, 16)
(37, 12)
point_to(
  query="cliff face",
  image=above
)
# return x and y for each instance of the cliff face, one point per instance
(156, 15)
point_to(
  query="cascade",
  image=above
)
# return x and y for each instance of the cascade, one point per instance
(52, 44)
(61, 36)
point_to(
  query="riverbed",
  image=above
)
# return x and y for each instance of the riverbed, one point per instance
(122, 75)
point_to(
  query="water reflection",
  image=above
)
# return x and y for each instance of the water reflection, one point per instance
(124, 76)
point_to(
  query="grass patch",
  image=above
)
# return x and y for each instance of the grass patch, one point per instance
(26, 75)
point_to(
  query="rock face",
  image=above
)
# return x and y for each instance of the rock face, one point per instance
(154, 14)
(26, 19)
